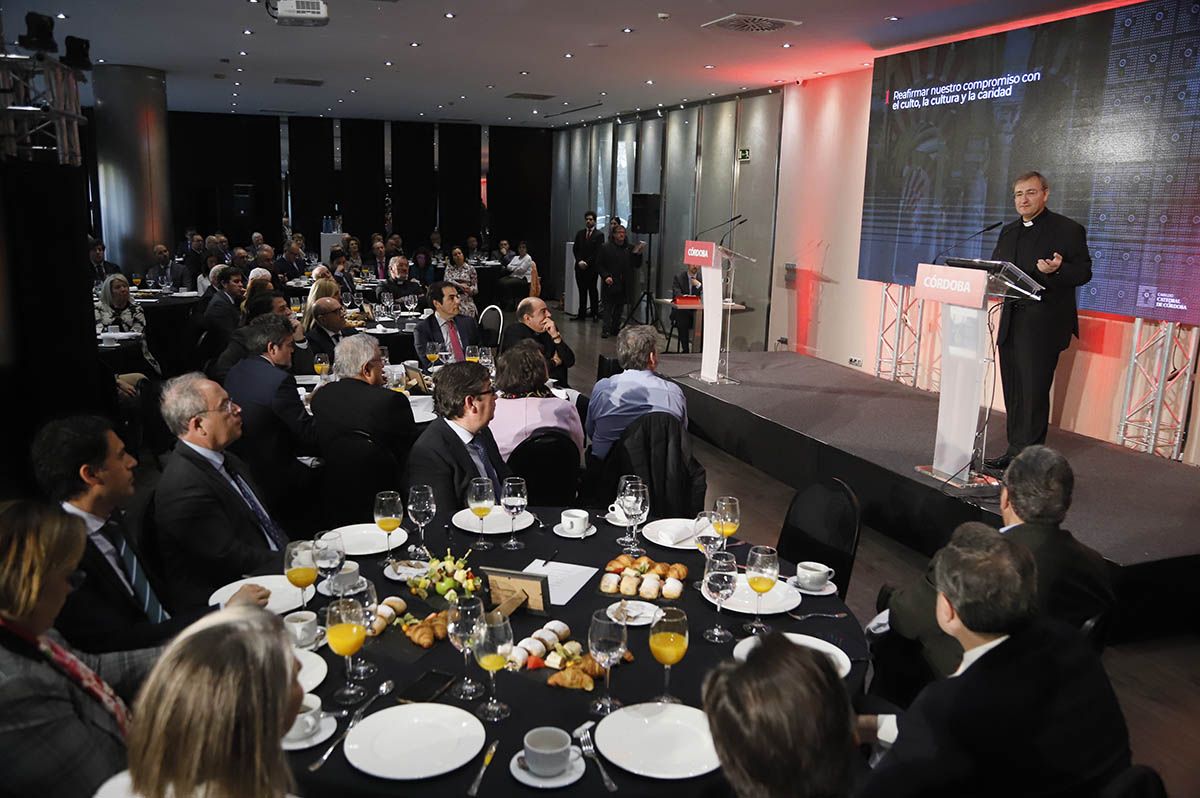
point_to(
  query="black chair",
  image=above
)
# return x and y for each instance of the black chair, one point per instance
(823, 524)
(491, 325)
(607, 366)
(1095, 630)
(356, 468)
(549, 461)
(657, 448)
(1140, 781)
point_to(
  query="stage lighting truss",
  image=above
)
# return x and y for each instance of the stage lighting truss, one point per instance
(898, 340)
(1158, 387)
(39, 109)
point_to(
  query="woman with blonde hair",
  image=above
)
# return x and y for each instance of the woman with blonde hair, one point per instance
(115, 308)
(326, 286)
(212, 714)
(63, 716)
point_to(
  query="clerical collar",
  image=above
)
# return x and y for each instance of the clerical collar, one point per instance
(1030, 222)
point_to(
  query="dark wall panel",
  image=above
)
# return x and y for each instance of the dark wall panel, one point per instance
(414, 183)
(459, 205)
(310, 172)
(362, 183)
(519, 175)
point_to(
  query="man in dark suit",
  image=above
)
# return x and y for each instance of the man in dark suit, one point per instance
(224, 311)
(82, 464)
(278, 428)
(1053, 250)
(339, 269)
(100, 267)
(445, 324)
(329, 328)
(458, 447)
(210, 522)
(271, 303)
(585, 249)
(166, 267)
(194, 259)
(536, 323)
(358, 401)
(686, 283)
(289, 265)
(376, 264)
(1030, 710)
(616, 263)
(402, 284)
(1073, 581)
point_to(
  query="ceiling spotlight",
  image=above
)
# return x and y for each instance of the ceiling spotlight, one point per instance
(387, 63)
(626, 30)
(247, 32)
(241, 52)
(745, 88)
(710, 66)
(328, 109)
(818, 73)
(239, 69)
(449, 15)
(61, 15)
(603, 94)
(237, 83)
(235, 94)
(368, 77)
(685, 99)
(421, 113)
(866, 63)
(787, 45)
(440, 107)
(535, 110)
(565, 102)
(510, 119)
(568, 55)
(233, 103)
(712, 94)
(354, 91)
(100, 61)
(659, 113)
(649, 82)
(414, 44)
(490, 86)
(253, 1)
(523, 72)
(891, 19)
(681, 105)
(779, 81)
(341, 100)
(462, 96)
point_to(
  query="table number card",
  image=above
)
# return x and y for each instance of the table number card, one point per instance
(505, 584)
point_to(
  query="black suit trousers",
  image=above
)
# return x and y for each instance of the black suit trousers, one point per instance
(586, 280)
(614, 311)
(1027, 364)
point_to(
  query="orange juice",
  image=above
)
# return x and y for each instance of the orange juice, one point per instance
(137, 281)
(726, 529)
(431, 358)
(320, 369)
(482, 511)
(388, 524)
(345, 639)
(302, 576)
(761, 584)
(668, 647)
(492, 662)
(473, 359)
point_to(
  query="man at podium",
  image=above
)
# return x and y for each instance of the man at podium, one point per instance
(1053, 250)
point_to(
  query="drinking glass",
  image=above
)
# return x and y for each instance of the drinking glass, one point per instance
(720, 580)
(409, 301)
(432, 352)
(464, 621)
(607, 642)
(329, 553)
(445, 353)
(623, 484)
(388, 514)
(491, 652)
(363, 591)
(321, 364)
(487, 359)
(347, 299)
(385, 299)
(726, 516)
(299, 566)
(707, 540)
(668, 644)
(762, 572)
(635, 503)
(421, 509)
(358, 299)
(472, 354)
(296, 306)
(136, 280)
(383, 356)
(481, 498)
(513, 498)
(346, 633)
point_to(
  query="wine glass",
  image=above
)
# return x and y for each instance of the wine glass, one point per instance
(321, 364)
(481, 498)
(726, 516)
(487, 359)
(299, 567)
(445, 353)
(623, 485)
(464, 620)
(409, 301)
(668, 644)
(385, 299)
(432, 352)
(607, 642)
(635, 503)
(383, 356)
(358, 299)
(707, 540)
(513, 498)
(388, 514)
(347, 299)
(346, 632)
(762, 572)
(720, 580)
(421, 509)
(329, 553)
(491, 652)
(472, 354)
(363, 591)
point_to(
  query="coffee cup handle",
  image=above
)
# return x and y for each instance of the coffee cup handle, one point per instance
(576, 754)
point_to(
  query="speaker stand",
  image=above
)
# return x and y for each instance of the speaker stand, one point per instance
(647, 295)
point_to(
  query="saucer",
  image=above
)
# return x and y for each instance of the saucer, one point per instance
(403, 570)
(324, 731)
(571, 775)
(316, 643)
(562, 533)
(829, 589)
(616, 520)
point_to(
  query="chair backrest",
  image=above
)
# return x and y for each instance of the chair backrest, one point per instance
(549, 461)
(1140, 781)
(656, 448)
(823, 524)
(1095, 630)
(356, 468)
(491, 325)
(607, 366)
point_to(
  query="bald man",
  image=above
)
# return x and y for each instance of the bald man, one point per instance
(537, 323)
(329, 327)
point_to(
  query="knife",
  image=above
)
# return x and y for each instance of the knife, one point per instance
(487, 760)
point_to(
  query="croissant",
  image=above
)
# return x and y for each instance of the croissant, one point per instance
(660, 569)
(437, 621)
(588, 665)
(420, 634)
(625, 560)
(614, 567)
(678, 571)
(643, 563)
(572, 679)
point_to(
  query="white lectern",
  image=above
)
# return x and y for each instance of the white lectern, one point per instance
(717, 267)
(963, 287)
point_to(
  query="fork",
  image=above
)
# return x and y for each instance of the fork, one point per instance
(589, 750)
(805, 616)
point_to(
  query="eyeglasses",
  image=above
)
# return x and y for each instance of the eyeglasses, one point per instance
(1031, 193)
(76, 579)
(226, 406)
(481, 394)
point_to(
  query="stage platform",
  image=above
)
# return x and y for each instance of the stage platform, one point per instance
(797, 417)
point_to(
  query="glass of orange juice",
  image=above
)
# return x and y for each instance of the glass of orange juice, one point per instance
(388, 513)
(346, 631)
(432, 352)
(300, 567)
(321, 364)
(668, 644)
(762, 572)
(491, 653)
(726, 516)
(481, 498)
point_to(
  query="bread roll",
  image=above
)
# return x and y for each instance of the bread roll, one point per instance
(625, 560)
(660, 569)
(650, 589)
(385, 612)
(635, 573)
(629, 585)
(547, 637)
(610, 583)
(378, 626)
(518, 656)
(559, 628)
(534, 646)
(399, 605)
(643, 563)
(678, 571)
(614, 567)
(672, 589)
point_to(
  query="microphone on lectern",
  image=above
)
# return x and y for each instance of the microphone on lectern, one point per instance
(965, 240)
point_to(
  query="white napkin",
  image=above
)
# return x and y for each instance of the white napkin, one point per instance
(679, 530)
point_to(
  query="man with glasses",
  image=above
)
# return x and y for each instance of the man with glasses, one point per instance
(330, 327)
(210, 525)
(1053, 250)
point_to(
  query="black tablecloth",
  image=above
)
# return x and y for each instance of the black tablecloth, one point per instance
(168, 334)
(534, 703)
(399, 342)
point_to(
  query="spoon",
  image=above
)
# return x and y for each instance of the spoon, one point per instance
(384, 688)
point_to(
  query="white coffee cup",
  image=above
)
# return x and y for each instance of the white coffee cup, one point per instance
(345, 578)
(617, 513)
(108, 339)
(548, 751)
(575, 522)
(301, 627)
(813, 575)
(308, 719)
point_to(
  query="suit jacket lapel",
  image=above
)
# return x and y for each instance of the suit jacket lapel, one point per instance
(216, 479)
(99, 569)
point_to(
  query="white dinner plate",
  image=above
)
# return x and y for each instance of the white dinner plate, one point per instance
(660, 741)
(781, 598)
(307, 379)
(414, 741)
(364, 539)
(829, 589)
(841, 661)
(562, 533)
(494, 523)
(404, 570)
(656, 532)
(285, 597)
(637, 613)
(312, 669)
(324, 731)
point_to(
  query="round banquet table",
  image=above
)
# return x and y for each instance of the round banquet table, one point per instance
(533, 703)
(391, 333)
(168, 333)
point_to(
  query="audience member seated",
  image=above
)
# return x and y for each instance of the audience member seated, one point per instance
(270, 304)
(1028, 712)
(81, 464)
(256, 286)
(435, 246)
(223, 313)
(525, 404)
(358, 400)
(193, 258)
(1073, 582)
(264, 258)
(166, 269)
(340, 271)
(503, 252)
(211, 717)
(259, 273)
(621, 399)
(278, 428)
(423, 267)
(458, 446)
(354, 254)
(210, 526)
(376, 265)
(519, 282)
(101, 268)
(535, 324)
(685, 283)
(445, 324)
(321, 272)
(206, 284)
(63, 714)
(321, 288)
(465, 279)
(328, 328)
(473, 253)
(399, 283)
(395, 246)
(781, 723)
(240, 260)
(114, 308)
(290, 264)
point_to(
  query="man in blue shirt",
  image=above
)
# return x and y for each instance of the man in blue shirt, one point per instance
(622, 399)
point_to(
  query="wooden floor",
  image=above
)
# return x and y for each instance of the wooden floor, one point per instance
(1157, 681)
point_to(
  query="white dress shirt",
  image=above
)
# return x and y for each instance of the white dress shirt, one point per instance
(94, 524)
(466, 436)
(521, 266)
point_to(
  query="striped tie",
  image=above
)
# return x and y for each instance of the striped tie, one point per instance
(136, 574)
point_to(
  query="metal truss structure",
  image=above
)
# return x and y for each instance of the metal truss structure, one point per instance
(898, 343)
(1158, 387)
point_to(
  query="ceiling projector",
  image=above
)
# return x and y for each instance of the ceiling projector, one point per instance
(299, 13)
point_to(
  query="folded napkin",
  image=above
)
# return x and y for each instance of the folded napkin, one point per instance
(677, 531)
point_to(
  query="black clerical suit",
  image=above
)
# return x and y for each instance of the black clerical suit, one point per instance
(1034, 716)
(618, 262)
(685, 320)
(440, 459)
(586, 248)
(517, 332)
(323, 342)
(1032, 334)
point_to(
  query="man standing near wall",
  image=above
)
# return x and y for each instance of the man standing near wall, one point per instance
(587, 246)
(616, 262)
